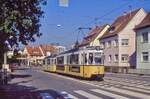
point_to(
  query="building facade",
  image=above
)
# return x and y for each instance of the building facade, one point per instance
(119, 42)
(33, 56)
(143, 44)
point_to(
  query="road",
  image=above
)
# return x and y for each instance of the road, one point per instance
(114, 86)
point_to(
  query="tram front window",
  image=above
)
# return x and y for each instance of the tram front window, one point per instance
(98, 58)
(90, 58)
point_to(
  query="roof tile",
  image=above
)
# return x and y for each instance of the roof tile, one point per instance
(119, 24)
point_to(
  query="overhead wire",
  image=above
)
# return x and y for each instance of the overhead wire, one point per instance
(109, 12)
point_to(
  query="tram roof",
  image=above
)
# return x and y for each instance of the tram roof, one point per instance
(81, 49)
(52, 56)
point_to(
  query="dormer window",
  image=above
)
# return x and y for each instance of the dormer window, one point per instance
(111, 29)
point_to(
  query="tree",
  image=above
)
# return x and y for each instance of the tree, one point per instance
(19, 22)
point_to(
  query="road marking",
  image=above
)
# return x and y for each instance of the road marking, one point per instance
(73, 97)
(109, 94)
(87, 95)
(127, 84)
(141, 86)
(115, 82)
(136, 89)
(127, 80)
(135, 94)
(67, 95)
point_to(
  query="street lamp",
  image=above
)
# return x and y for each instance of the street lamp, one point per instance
(64, 3)
(5, 65)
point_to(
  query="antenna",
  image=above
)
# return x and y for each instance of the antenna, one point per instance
(96, 21)
(130, 9)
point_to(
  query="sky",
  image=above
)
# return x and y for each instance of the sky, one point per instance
(60, 24)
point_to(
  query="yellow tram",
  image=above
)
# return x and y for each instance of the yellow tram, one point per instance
(85, 63)
(49, 64)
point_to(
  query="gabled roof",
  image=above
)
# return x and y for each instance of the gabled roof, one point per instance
(119, 24)
(92, 35)
(144, 23)
(33, 51)
(40, 50)
(48, 48)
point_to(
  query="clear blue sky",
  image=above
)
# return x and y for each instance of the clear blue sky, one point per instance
(81, 13)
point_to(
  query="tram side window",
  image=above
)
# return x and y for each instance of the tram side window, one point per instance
(74, 59)
(44, 62)
(54, 61)
(60, 60)
(48, 61)
(90, 61)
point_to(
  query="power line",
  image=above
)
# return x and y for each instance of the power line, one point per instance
(111, 11)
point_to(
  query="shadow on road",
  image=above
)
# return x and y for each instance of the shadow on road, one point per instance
(20, 76)
(22, 68)
(15, 91)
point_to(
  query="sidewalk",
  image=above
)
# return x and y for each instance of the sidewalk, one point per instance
(12, 91)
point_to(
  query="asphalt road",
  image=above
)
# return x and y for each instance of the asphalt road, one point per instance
(114, 86)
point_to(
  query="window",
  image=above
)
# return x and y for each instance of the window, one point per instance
(124, 42)
(124, 57)
(115, 43)
(85, 58)
(48, 61)
(97, 58)
(90, 58)
(60, 60)
(74, 59)
(103, 45)
(111, 29)
(145, 56)
(145, 37)
(108, 44)
(116, 57)
(110, 58)
(44, 62)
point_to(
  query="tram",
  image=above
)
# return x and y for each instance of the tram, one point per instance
(49, 64)
(84, 63)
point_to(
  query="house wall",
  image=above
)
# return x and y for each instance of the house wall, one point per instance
(142, 47)
(129, 33)
(110, 51)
